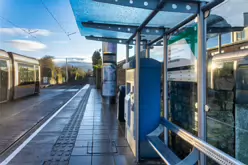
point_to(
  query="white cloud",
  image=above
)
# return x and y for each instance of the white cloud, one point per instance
(27, 45)
(24, 31)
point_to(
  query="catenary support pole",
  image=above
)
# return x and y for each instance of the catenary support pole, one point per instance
(201, 79)
(66, 70)
(219, 43)
(137, 75)
(165, 87)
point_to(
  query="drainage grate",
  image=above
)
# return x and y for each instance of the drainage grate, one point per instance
(64, 145)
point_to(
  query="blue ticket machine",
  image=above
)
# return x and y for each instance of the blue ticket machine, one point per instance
(149, 104)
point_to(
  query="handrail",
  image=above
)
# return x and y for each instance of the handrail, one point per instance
(209, 150)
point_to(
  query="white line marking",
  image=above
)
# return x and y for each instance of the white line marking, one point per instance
(13, 154)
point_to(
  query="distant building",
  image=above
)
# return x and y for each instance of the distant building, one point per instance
(240, 36)
(238, 41)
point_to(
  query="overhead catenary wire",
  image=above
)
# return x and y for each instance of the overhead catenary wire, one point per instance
(59, 24)
(26, 31)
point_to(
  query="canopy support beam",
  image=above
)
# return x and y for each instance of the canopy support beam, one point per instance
(221, 30)
(172, 30)
(124, 28)
(114, 40)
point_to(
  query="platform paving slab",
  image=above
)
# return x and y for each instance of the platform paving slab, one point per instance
(85, 132)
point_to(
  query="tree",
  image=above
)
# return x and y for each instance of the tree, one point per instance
(59, 75)
(96, 61)
(47, 66)
(75, 73)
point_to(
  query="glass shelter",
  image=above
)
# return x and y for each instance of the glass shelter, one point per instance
(204, 99)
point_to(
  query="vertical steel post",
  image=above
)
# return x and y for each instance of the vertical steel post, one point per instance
(219, 43)
(127, 59)
(137, 76)
(66, 70)
(201, 79)
(127, 52)
(147, 51)
(166, 115)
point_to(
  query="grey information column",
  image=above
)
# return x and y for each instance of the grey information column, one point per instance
(109, 77)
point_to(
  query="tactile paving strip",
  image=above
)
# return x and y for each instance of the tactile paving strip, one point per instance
(63, 147)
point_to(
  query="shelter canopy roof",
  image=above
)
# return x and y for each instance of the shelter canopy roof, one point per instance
(120, 18)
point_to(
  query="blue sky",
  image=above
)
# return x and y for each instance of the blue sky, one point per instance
(20, 17)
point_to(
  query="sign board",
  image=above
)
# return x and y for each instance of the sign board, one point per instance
(182, 56)
(109, 58)
(109, 80)
(109, 47)
(109, 72)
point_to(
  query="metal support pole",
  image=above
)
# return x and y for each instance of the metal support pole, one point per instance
(127, 59)
(219, 43)
(137, 75)
(166, 114)
(201, 79)
(147, 52)
(66, 70)
(127, 52)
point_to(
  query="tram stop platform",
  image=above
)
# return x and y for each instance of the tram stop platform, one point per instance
(82, 132)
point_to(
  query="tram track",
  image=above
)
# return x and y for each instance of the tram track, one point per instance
(10, 148)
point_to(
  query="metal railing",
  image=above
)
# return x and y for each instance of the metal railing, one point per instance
(205, 148)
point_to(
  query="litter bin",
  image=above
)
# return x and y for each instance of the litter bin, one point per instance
(120, 103)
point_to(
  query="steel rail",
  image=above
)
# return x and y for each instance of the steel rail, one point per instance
(209, 150)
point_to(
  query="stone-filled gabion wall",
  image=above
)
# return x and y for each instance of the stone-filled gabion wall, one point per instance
(183, 97)
(220, 119)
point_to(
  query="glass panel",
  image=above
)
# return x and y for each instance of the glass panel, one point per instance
(85, 10)
(236, 7)
(241, 112)
(227, 95)
(37, 73)
(26, 74)
(3, 80)
(182, 86)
